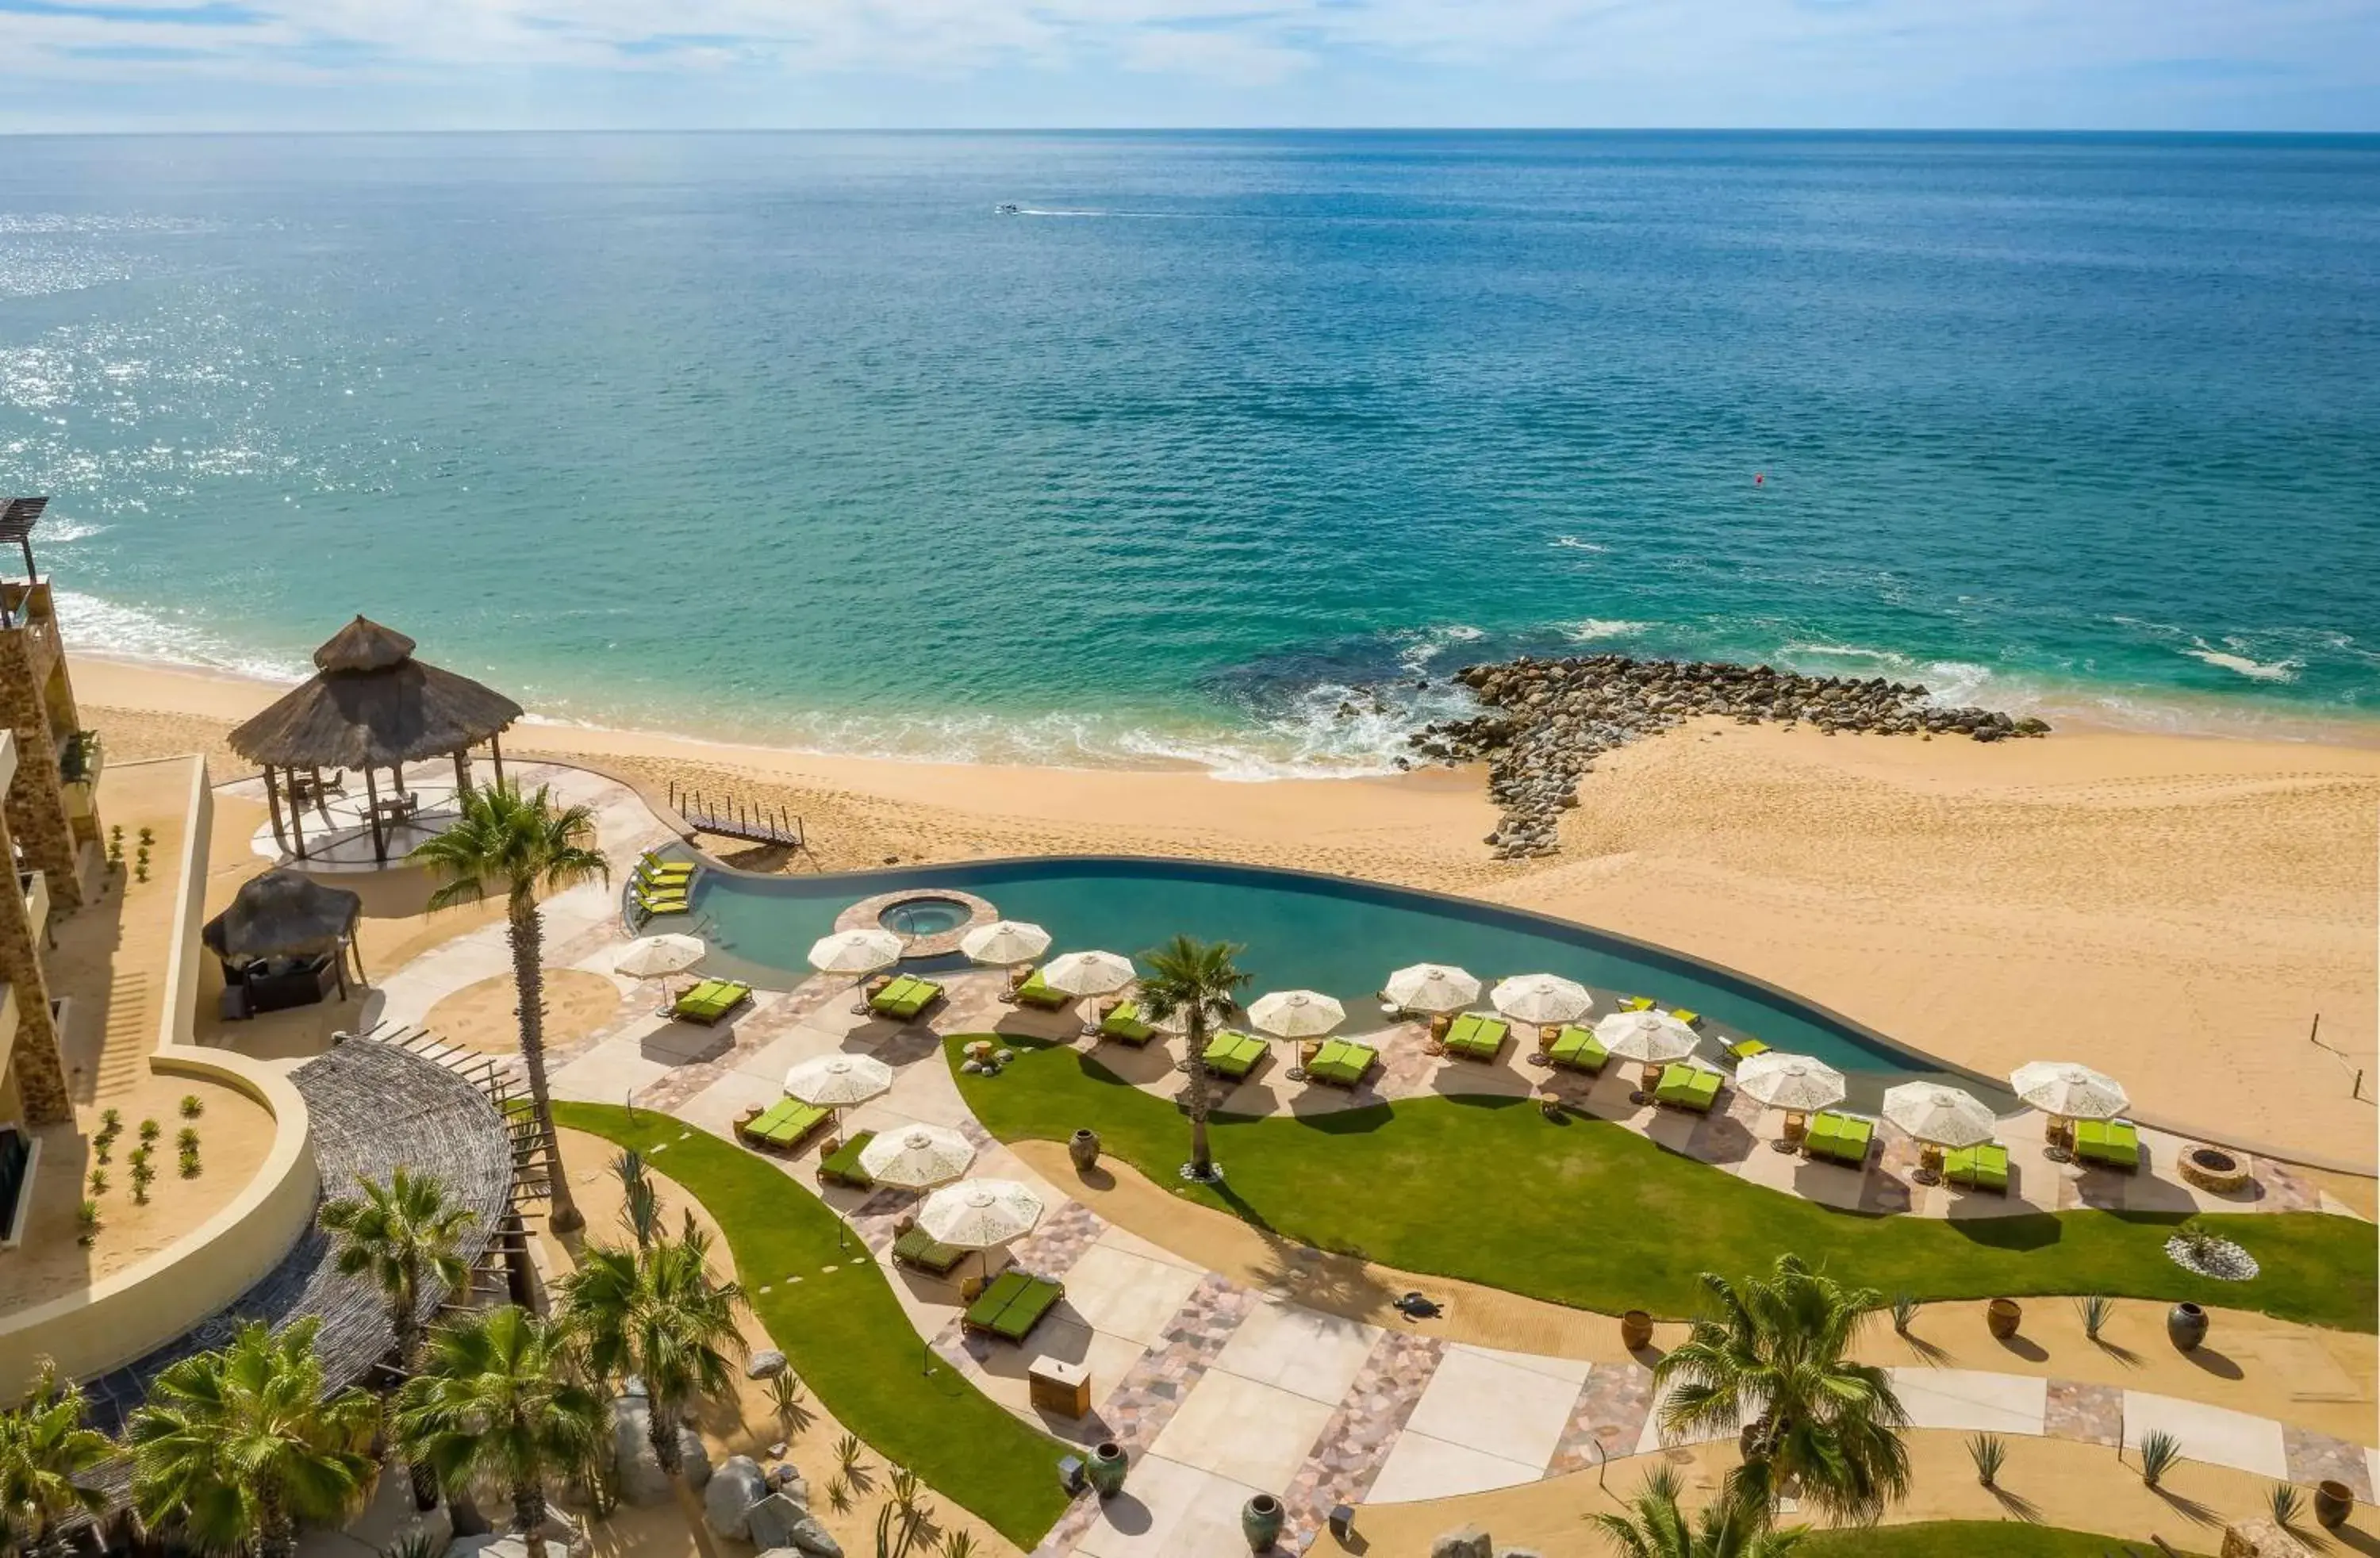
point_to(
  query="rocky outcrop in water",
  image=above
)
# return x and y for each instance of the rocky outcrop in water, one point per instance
(1546, 720)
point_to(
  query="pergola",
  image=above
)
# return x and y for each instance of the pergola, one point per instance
(369, 706)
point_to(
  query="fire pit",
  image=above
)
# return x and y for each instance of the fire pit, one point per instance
(2215, 1170)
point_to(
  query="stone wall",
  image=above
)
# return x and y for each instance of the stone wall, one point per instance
(36, 1066)
(36, 805)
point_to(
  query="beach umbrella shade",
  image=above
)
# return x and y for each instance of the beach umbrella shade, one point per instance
(1005, 941)
(1431, 987)
(917, 1157)
(1646, 1038)
(1940, 1115)
(838, 1081)
(2069, 1091)
(1796, 1084)
(1087, 973)
(1545, 1000)
(653, 957)
(1296, 1014)
(980, 1213)
(855, 952)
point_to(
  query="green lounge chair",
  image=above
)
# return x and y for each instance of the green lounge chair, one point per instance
(916, 1248)
(1035, 991)
(651, 861)
(1477, 1038)
(653, 872)
(1842, 1138)
(1233, 1054)
(1689, 1088)
(1689, 1018)
(1011, 1305)
(1978, 1168)
(904, 998)
(2114, 1144)
(1124, 1025)
(841, 1165)
(660, 903)
(1637, 1003)
(1742, 1050)
(1577, 1049)
(1342, 1063)
(709, 1001)
(784, 1125)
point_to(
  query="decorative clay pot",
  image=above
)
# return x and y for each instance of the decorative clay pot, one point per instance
(1106, 1468)
(1260, 1522)
(2332, 1503)
(1084, 1147)
(2001, 1315)
(2185, 1324)
(1635, 1331)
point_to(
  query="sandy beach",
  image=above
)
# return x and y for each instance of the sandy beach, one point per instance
(2177, 910)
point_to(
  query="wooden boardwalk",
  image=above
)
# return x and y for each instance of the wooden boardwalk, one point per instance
(724, 816)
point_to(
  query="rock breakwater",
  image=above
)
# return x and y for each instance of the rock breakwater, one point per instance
(1548, 719)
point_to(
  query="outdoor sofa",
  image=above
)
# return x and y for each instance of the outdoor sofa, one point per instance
(784, 1125)
(2114, 1144)
(709, 1001)
(1576, 1048)
(1843, 1139)
(916, 1248)
(1977, 1168)
(1233, 1054)
(1125, 1025)
(905, 997)
(1690, 1088)
(1342, 1063)
(1012, 1304)
(1474, 1037)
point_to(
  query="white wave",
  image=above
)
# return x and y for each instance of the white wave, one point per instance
(170, 639)
(1596, 627)
(1572, 543)
(1056, 211)
(1423, 645)
(56, 532)
(2254, 670)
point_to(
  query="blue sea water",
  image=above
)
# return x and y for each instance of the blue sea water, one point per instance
(798, 438)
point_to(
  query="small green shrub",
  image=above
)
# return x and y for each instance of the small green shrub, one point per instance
(189, 1163)
(111, 1120)
(958, 1544)
(1989, 1451)
(98, 1182)
(848, 1453)
(187, 1138)
(1904, 1312)
(2285, 1502)
(192, 1106)
(2159, 1450)
(87, 1219)
(147, 836)
(150, 1131)
(2097, 1311)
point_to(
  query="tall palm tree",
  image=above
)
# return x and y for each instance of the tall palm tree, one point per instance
(1199, 981)
(657, 1313)
(497, 1406)
(45, 1446)
(1656, 1527)
(1822, 1427)
(523, 844)
(405, 1235)
(235, 1448)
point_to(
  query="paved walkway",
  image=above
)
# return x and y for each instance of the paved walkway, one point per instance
(1221, 1390)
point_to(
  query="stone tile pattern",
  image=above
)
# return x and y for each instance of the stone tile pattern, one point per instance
(1065, 1237)
(1354, 1444)
(1136, 1411)
(2092, 1414)
(2315, 1457)
(1609, 1419)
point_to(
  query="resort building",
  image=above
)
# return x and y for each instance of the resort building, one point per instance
(53, 805)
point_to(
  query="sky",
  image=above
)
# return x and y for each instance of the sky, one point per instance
(359, 65)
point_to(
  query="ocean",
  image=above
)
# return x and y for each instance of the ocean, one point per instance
(1222, 447)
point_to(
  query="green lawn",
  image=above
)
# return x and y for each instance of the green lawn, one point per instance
(1972, 1538)
(1588, 1214)
(844, 1334)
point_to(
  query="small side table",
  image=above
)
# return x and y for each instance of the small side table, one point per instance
(1055, 1385)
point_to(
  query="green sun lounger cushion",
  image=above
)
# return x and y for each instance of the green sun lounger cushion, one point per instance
(653, 872)
(841, 1165)
(917, 1248)
(1744, 1049)
(1234, 1055)
(1342, 1063)
(2111, 1143)
(783, 1123)
(1124, 1025)
(1013, 1305)
(1978, 1168)
(1035, 991)
(1819, 1135)
(1844, 1138)
(1637, 1003)
(905, 997)
(711, 1000)
(1687, 1087)
(1577, 1049)
(1476, 1037)
(1683, 1015)
(665, 902)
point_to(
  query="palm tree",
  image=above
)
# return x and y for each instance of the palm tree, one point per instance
(45, 1446)
(657, 1313)
(403, 1234)
(1199, 981)
(497, 1406)
(1826, 1429)
(235, 1447)
(524, 842)
(1656, 1527)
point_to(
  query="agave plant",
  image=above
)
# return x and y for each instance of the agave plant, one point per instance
(848, 1452)
(785, 1403)
(1904, 1312)
(2285, 1502)
(958, 1544)
(1989, 1451)
(2097, 1311)
(2159, 1450)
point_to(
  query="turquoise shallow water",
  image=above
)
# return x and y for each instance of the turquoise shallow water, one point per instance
(796, 438)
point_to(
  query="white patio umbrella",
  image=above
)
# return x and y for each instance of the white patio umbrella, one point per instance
(1544, 1000)
(979, 1214)
(855, 952)
(838, 1081)
(1087, 973)
(917, 1157)
(1651, 1040)
(2065, 1090)
(1797, 1084)
(1431, 987)
(1296, 1014)
(653, 958)
(1005, 941)
(1937, 1115)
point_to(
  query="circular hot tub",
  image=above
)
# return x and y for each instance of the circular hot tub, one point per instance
(929, 920)
(913, 918)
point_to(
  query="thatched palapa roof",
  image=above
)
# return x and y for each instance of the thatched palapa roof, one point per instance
(371, 703)
(283, 914)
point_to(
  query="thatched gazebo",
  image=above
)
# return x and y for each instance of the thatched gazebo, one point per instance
(368, 706)
(282, 935)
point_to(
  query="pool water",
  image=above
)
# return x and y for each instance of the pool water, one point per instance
(924, 917)
(1297, 931)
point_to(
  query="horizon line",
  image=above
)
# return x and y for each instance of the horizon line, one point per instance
(1707, 130)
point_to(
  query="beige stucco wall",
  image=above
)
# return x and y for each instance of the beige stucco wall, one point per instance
(128, 1313)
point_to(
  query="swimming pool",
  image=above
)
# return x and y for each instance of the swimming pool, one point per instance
(1299, 931)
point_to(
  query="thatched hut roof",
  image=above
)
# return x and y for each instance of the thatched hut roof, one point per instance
(283, 914)
(370, 702)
